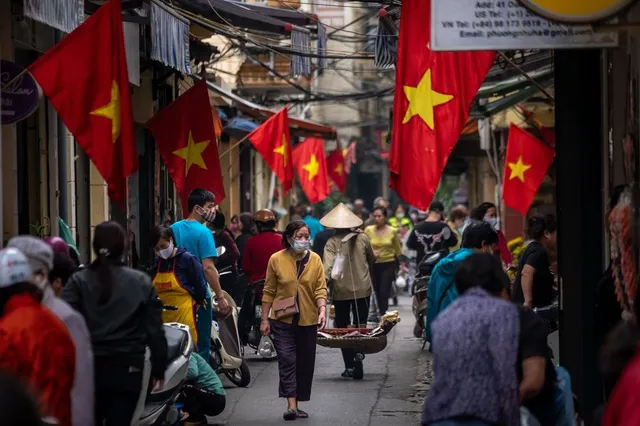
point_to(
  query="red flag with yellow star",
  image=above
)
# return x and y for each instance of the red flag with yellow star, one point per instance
(335, 168)
(433, 95)
(185, 134)
(310, 164)
(85, 78)
(525, 166)
(273, 142)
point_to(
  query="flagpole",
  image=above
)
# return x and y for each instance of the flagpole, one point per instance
(272, 189)
(234, 145)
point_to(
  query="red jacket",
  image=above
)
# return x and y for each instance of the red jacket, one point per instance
(623, 408)
(37, 347)
(257, 252)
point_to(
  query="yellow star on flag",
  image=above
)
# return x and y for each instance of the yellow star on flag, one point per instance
(518, 169)
(312, 167)
(338, 169)
(192, 153)
(282, 149)
(112, 111)
(423, 99)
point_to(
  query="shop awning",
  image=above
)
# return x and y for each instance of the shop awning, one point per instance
(298, 127)
(239, 127)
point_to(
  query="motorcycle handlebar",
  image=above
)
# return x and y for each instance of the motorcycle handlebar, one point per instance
(548, 311)
(169, 308)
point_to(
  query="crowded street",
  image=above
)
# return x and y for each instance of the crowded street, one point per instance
(391, 392)
(333, 212)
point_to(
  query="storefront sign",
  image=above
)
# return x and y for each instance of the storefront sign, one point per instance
(20, 98)
(577, 11)
(505, 25)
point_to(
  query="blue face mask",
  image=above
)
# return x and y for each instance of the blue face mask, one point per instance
(300, 246)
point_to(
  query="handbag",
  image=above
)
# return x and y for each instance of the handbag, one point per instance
(286, 307)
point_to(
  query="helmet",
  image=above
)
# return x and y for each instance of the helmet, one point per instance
(57, 244)
(264, 215)
(14, 267)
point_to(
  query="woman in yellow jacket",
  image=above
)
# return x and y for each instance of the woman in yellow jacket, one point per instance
(295, 292)
(387, 248)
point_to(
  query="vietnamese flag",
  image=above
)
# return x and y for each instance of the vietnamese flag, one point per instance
(525, 166)
(335, 168)
(310, 164)
(185, 134)
(273, 142)
(434, 92)
(85, 78)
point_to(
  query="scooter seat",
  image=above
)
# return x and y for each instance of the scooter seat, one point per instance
(176, 340)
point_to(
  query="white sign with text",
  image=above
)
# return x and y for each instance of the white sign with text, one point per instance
(505, 25)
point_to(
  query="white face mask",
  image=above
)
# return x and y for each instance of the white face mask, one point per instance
(493, 221)
(167, 252)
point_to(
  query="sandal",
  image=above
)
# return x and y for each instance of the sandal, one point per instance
(290, 415)
(302, 414)
(347, 373)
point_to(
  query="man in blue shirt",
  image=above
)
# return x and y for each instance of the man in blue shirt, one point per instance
(192, 235)
(313, 223)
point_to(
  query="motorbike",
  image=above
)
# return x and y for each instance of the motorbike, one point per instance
(157, 407)
(253, 334)
(419, 290)
(226, 354)
(550, 315)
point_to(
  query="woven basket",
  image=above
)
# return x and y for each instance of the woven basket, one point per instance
(363, 344)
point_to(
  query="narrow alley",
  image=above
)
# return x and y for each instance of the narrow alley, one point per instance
(391, 393)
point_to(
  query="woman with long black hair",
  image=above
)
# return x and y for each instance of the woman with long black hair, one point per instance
(124, 315)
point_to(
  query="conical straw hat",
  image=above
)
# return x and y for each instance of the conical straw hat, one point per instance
(341, 218)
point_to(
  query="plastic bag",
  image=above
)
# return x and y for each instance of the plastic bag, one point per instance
(527, 419)
(565, 409)
(337, 271)
(266, 348)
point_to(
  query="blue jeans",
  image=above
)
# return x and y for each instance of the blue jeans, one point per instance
(205, 317)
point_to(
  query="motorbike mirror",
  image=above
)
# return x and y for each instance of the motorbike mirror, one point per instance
(221, 250)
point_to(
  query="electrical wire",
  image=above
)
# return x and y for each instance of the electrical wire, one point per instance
(231, 31)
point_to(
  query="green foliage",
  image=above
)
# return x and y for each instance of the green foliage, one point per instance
(38, 229)
(333, 200)
(444, 194)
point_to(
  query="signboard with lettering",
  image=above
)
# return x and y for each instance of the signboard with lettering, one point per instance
(20, 98)
(577, 11)
(505, 25)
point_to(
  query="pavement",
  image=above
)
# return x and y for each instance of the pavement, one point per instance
(392, 392)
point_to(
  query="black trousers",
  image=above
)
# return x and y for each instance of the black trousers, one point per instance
(357, 309)
(117, 388)
(199, 402)
(384, 275)
(296, 348)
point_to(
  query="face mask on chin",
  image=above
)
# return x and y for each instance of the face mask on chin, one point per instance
(400, 215)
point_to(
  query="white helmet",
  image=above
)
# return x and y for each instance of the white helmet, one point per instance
(14, 268)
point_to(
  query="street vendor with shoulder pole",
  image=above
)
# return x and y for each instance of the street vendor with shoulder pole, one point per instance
(347, 258)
